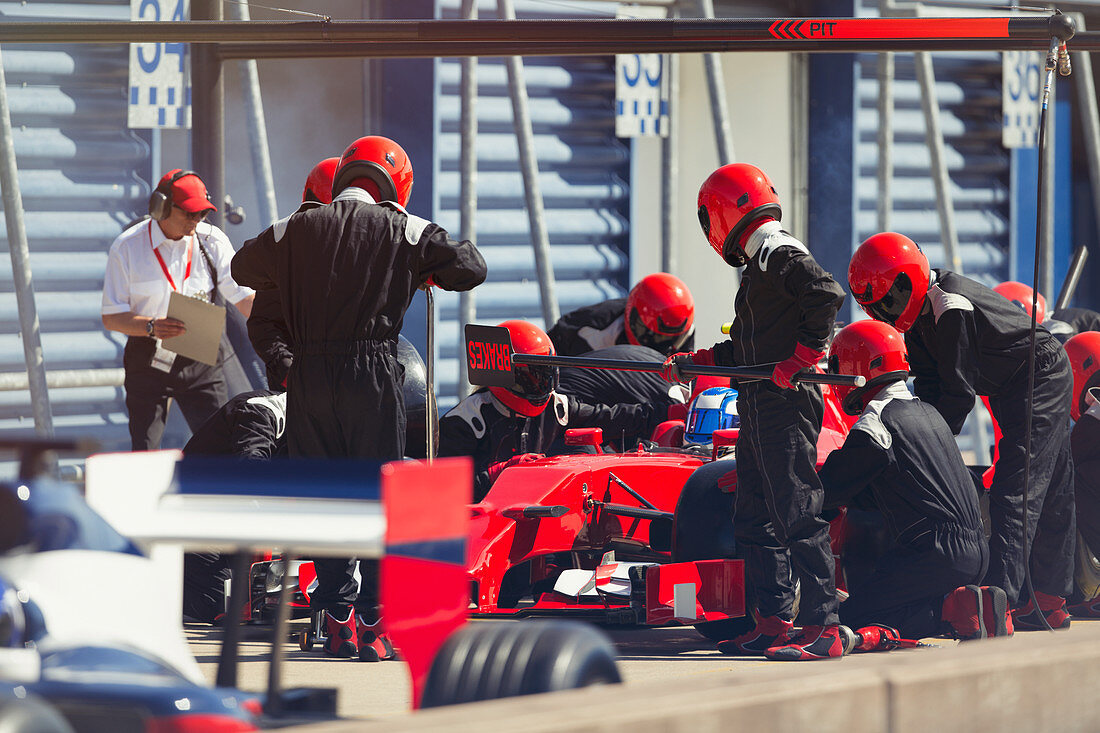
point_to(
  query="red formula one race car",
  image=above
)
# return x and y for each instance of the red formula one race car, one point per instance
(642, 537)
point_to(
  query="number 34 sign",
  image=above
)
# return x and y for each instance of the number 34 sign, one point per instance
(160, 73)
(1022, 72)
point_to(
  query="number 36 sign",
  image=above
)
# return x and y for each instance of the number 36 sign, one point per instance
(160, 73)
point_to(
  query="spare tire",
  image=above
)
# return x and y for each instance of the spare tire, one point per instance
(486, 661)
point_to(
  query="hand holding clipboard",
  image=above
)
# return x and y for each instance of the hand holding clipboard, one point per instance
(204, 324)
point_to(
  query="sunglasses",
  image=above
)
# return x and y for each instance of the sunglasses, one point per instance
(192, 215)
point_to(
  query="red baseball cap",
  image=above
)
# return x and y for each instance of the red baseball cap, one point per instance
(188, 191)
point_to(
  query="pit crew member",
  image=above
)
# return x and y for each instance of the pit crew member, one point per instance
(266, 325)
(347, 273)
(658, 313)
(505, 426)
(964, 339)
(783, 315)
(901, 450)
(1084, 358)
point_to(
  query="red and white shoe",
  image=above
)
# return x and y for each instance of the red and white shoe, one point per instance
(768, 632)
(374, 642)
(813, 642)
(340, 635)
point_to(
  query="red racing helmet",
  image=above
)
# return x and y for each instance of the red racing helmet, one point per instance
(534, 384)
(870, 349)
(1021, 295)
(889, 277)
(319, 181)
(732, 198)
(1084, 356)
(379, 160)
(660, 313)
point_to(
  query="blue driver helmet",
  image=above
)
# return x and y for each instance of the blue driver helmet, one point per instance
(710, 410)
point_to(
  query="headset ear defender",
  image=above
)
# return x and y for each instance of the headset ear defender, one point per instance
(160, 201)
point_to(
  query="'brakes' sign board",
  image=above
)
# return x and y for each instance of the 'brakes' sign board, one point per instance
(489, 356)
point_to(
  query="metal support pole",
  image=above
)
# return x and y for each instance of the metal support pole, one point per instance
(467, 304)
(797, 219)
(208, 111)
(1046, 283)
(1090, 123)
(716, 85)
(257, 129)
(885, 201)
(64, 379)
(431, 413)
(21, 271)
(540, 239)
(670, 164)
(934, 137)
(274, 703)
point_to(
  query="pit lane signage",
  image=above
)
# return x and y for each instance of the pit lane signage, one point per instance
(1022, 74)
(641, 86)
(489, 356)
(160, 73)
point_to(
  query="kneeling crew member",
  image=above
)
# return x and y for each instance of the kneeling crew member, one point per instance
(901, 450)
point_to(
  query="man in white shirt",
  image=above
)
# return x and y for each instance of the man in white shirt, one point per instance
(173, 250)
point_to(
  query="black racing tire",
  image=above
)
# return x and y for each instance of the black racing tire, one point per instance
(702, 528)
(486, 661)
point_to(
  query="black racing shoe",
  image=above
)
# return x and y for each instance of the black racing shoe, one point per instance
(813, 642)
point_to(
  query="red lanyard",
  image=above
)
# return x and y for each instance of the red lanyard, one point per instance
(164, 267)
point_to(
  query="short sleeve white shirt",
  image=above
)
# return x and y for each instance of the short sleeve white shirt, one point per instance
(136, 283)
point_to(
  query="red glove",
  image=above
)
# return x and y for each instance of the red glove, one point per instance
(802, 358)
(496, 468)
(670, 371)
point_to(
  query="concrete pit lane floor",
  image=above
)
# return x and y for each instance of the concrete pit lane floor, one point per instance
(380, 691)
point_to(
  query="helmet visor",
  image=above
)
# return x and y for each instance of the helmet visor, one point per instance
(665, 340)
(534, 383)
(890, 306)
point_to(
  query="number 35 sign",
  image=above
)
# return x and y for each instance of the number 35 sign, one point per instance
(160, 73)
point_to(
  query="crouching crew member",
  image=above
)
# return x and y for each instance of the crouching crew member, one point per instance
(506, 426)
(901, 450)
(783, 316)
(658, 313)
(346, 273)
(249, 426)
(964, 339)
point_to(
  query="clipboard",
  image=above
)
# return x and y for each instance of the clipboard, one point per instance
(205, 325)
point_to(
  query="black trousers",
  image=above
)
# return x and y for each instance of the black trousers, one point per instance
(346, 401)
(906, 589)
(777, 511)
(1050, 518)
(198, 388)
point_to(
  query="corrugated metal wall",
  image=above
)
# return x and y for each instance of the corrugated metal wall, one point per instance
(583, 173)
(82, 175)
(968, 91)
